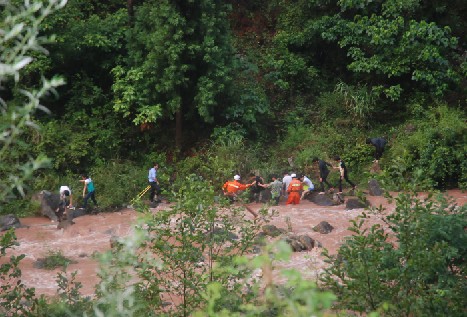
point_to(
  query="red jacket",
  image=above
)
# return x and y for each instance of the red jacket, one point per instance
(232, 187)
(295, 186)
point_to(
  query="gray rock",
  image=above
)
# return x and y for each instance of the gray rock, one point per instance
(295, 244)
(323, 227)
(321, 200)
(374, 188)
(299, 243)
(306, 241)
(355, 203)
(75, 213)
(9, 221)
(273, 231)
(49, 203)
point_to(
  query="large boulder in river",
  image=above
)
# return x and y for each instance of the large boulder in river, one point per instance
(355, 203)
(299, 243)
(9, 221)
(321, 199)
(323, 227)
(49, 204)
(273, 231)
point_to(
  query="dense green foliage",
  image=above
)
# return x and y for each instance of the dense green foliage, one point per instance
(216, 88)
(289, 79)
(19, 41)
(411, 265)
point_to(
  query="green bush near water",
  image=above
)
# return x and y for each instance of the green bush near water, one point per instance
(434, 146)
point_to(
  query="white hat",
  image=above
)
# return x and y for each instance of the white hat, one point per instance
(237, 177)
(293, 175)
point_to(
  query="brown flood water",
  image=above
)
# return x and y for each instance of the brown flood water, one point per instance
(92, 233)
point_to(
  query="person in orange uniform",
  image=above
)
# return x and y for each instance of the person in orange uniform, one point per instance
(231, 188)
(294, 189)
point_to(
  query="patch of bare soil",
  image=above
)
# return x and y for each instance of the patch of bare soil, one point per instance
(92, 233)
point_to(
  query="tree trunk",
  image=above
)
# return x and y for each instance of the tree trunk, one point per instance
(131, 12)
(178, 129)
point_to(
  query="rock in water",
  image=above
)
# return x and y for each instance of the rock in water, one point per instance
(355, 203)
(374, 188)
(321, 200)
(49, 203)
(273, 231)
(308, 242)
(9, 221)
(323, 227)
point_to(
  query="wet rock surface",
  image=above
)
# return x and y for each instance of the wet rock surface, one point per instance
(322, 199)
(49, 204)
(355, 203)
(9, 221)
(323, 227)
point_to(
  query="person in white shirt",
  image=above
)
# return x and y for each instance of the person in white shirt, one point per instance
(154, 183)
(308, 186)
(66, 196)
(286, 181)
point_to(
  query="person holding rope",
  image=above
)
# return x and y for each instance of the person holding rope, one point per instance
(231, 188)
(154, 183)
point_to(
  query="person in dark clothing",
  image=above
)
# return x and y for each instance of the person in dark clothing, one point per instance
(323, 174)
(379, 144)
(343, 174)
(257, 188)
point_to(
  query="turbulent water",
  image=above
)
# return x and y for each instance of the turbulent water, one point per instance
(92, 233)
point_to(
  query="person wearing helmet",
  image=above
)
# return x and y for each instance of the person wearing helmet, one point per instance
(231, 188)
(294, 189)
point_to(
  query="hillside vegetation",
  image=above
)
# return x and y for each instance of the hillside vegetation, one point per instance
(209, 89)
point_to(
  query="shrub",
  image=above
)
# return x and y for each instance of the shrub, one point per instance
(437, 147)
(414, 265)
(296, 297)
(15, 298)
(69, 302)
(193, 242)
(53, 260)
(20, 39)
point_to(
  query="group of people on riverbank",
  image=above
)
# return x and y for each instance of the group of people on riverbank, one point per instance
(292, 186)
(296, 187)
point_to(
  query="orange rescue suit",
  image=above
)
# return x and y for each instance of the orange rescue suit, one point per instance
(231, 188)
(295, 187)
